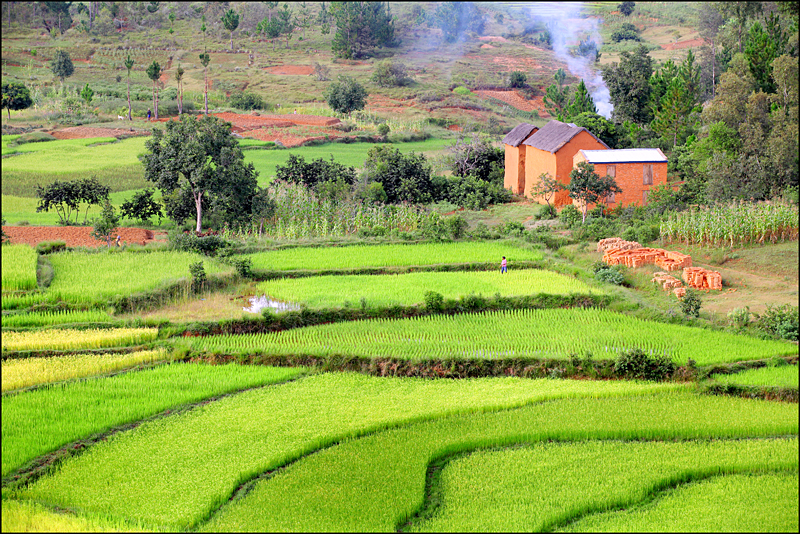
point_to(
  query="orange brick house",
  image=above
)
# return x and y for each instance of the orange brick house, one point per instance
(636, 171)
(551, 150)
(515, 156)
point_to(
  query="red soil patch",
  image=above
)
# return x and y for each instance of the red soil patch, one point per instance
(514, 99)
(251, 121)
(487, 46)
(76, 236)
(86, 132)
(493, 38)
(454, 128)
(691, 43)
(292, 70)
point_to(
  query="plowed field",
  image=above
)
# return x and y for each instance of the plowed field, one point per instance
(292, 70)
(86, 132)
(77, 236)
(515, 100)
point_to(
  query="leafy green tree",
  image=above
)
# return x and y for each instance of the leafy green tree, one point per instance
(179, 72)
(360, 27)
(15, 96)
(546, 187)
(304, 17)
(580, 102)
(517, 79)
(733, 90)
(741, 12)
(390, 73)
(690, 303)
(587, 187)
(476, 156)
(171, 18)
(346, 95)
(405, 178)
(455, 18)
(710, 21)
(231, 21)
(203, 158)
(603, 128)
(205, 59)
(627, 32)
(271, 29)
(676, 110)
(313, 173)
(556, 95)
(287, 23)
(87, 94)
(761, 50)
(626, 8)
(154, 73)
(56, 15)
(104, 226)
(142, 207)
(61, 64)
(129, 66)
(628, 85)
(66, 197)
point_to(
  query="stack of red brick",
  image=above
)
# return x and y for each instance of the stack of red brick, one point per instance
(667, 260)
(670, 282)
(700, 278)
(616, 242)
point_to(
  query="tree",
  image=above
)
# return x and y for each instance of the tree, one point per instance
(603, 128)
(129, 66)
(105, 225)
(556, 95)
(201, 157)
(676, 109)
(546, 187)
(587, 187)
(761, 50)
(346, 95)
(56, 15)
(141, 206)
(690, 303)
(628, 85)
(66, 197)
(581, 102)
(271, 29)
(61, 64)
(304, 17)
(710, 22)
(477, 157)
(626, 8)
(390, 73)
(179, 78)
(154, 73)
(286, 23)
(205, 59)
(360, 27)
(231, 21)
(741, 12)
(517, 79)
(87, 94)
(15, 96)
(405, 178)
(456, 18)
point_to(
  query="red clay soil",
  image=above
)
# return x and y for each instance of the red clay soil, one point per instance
(514, 99)
(487, 45)
(76, 236)
(292, 70)
(253, 121)
(691, 43)
(493, 38)
(86, 132)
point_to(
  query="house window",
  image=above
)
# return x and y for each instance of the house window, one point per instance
(648, 174)
(644, 197)
(611, 171)
(610, 198)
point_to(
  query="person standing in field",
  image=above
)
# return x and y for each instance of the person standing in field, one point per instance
(148, 114)
(503, 266)
(118, 239)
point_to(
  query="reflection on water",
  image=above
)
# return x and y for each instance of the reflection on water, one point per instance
(259, 303)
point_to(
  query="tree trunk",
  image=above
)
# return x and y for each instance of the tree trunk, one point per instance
(713, 64)
(231, 39)
(156, 101)
(205, 89)
(198, 203)
(180, 98)
(129, 95)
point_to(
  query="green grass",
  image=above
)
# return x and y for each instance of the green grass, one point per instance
(18, 267)
(33, 517)
(784, 376)
(357, 256)
(17, 208)
(55, 318)
(84, 277)
(40, 421)
(377, 483)
(26, 372)
(528, 488)
(547, 333)
(740, 503)
(196, 459)
(409, 289)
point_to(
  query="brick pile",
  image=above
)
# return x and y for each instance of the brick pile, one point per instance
(616, 242)
(666, 281)
(673, 261)
(667, 260)
(700, 278)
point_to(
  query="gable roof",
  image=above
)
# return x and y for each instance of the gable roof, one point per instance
(555, 134)
(519, 134)
(625, 155)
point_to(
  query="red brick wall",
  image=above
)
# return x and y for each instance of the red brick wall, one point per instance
(630, 178)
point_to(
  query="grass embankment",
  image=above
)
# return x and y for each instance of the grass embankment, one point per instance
(516, 334)
(40, 421)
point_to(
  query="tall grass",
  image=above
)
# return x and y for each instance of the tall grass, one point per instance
(55, 318)
(209, 452)
(784, 376)
(376, 483)
(36, 422)
(55, 339)
(546, 333)
(18, 267)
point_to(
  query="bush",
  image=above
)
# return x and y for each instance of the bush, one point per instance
(513, 229)
(389, 73)
(461, 90)
(610, 275)
(383, 129)
(243, 266)
(247, 101)
(141, 207)
(456, 226)
(346, 95)
(208, 245)
(647, 233)
(781, 321)
(637, 364)
(570, 216)
(32, 137)
(690, 303)
(433, 301)
(545, 212)
(482, 231)
(434, 227)
(198, 276)
(48, 247)
(472, 193)
(517, 79)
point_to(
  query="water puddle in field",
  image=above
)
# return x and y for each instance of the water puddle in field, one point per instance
(259, 303)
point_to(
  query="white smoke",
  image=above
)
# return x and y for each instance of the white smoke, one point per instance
(568, 29)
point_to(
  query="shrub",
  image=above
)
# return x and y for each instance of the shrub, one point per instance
(389, 73)
(457, 226)
(461, 90)
(48, 247)
(142, 207)
(433, 301)
(647, 233)
(514, 229)
(247, 101)
(517, 79)
(383, 129)
(198, 276)
(637, 364)
(208, 245)
(434, 227)
(739, 317)
(690, 303)
(482, 231)
(781, 321)
(609, 275)
(32, 137)
(570, 215)
(545, 212)
(243, 266)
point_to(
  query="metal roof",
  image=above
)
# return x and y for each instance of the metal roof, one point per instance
(625, 155)
(519, 134)
(554, 135)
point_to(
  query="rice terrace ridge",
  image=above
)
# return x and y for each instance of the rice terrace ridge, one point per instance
(400, 266)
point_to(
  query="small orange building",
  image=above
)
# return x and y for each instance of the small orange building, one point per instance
(636, 171)
(515, 157)
(551, 150)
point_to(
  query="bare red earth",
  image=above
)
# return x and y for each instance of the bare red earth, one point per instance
(86, 132)
(691, 43)
(292, 70)
(76, 236)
